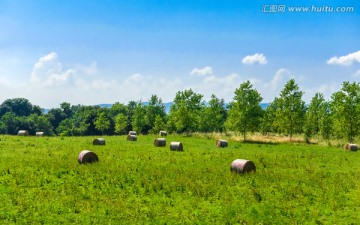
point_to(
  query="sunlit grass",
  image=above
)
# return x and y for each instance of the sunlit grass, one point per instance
(135, 182)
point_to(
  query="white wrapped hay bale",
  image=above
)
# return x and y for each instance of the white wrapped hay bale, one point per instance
(87, 156)
(160, 142)
(23, 133)
(162, 133)
(99, 141)
(351, 147)
(132, 132)
(242, 166)
(221, 143)
(39, 134)
(132, 138)
(176, 146)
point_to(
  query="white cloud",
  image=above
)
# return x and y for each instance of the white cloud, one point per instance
(90, 70)
(221, 86)
(202, 71)
(252, 59)
(48, 72)
(279, 78)
(326, 89)
(346, 60)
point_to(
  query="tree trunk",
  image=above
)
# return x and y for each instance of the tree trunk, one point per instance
(291, 130)
(244, 133)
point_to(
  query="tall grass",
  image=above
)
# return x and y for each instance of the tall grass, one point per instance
(41, 182)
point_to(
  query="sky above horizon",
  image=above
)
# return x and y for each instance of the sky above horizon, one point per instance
(93, 52)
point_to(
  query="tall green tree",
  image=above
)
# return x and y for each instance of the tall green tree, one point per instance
(9, 122)
(213, 115)
(245, 113)
(268, 119)
(131, 106)
(55, 117)
(326, 123)
(291, 111)
(41, 123)
(314, 116)
(314, 113)
(121, 123)
(139, 120)
(102, 122)
(345, 106)
(19, 106)
(155, 108)
(159, 124)
(185, 111)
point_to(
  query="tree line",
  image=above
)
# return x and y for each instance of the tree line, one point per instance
(287, 114)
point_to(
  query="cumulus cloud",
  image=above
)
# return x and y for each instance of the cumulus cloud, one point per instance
(346, 60)
(211, 84)
(90, 70)
(252, 59)
(49, 72)
(207, 70)
(279, 78)
(326, 89)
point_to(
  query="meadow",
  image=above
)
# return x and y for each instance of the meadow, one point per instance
(41, 182)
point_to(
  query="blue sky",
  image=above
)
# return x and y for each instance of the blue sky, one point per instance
(91, 52)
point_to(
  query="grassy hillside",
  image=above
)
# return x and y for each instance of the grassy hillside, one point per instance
(41, 182)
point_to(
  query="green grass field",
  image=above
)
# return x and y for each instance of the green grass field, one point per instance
(41, 182)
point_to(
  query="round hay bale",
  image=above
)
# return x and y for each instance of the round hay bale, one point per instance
(351, 147)
(87, 156)
(221, 143)
(242, 166)
(176, 146)
(162, 133)
(131, 138)
(23, 133)
(39, 134)
(99, 141)
(160, 142)
(132, 132)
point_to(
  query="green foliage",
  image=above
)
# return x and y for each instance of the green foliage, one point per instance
(269, 117)
(213, 116)
(314, 113)
(185, 111)
(158, 125)
(139, 121)
(41, 182)
(287, 114)
(8, 119)
(345, 107)
(154, 109)
(41, 124)
(290, 112)
(19, 107)
(120, 123)
(326, 122)
(245, 113)
(102, 122)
